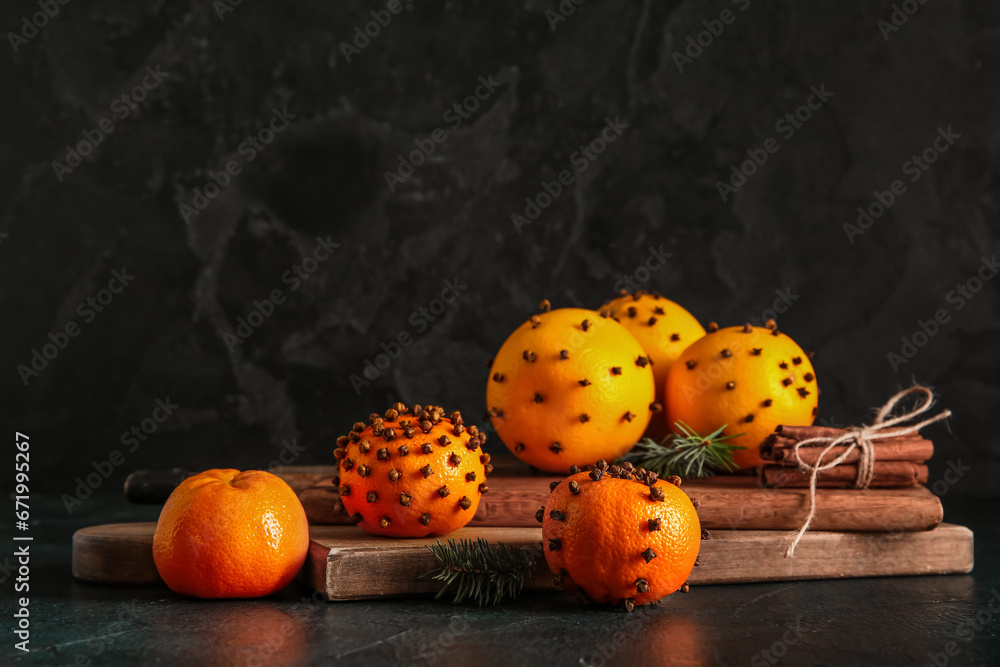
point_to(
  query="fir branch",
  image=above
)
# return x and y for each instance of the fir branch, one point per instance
(686, 454)
(477, 571)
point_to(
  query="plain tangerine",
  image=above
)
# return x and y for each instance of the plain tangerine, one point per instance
(230, 534)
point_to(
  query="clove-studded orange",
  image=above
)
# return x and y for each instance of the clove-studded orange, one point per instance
(412, 472)
(748, 379)
(664, 329)
(568, 387)
(620, 535)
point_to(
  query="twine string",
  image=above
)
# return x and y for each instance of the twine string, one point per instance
(862, 439)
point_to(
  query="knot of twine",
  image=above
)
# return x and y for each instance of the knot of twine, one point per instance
(862, 438)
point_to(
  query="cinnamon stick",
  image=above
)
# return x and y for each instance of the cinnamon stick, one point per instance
(782, 451)
(812, 431)
(885, 474)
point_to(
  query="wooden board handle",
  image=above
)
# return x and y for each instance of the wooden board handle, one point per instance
(153, 487)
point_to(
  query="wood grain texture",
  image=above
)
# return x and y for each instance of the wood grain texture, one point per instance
(726, 502)
(349, 564)
(115, 553)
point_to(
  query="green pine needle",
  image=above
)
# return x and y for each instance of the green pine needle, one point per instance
(686, 454)
(477, 571)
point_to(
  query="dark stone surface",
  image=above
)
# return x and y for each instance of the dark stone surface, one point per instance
(323, 175)
(887, 621)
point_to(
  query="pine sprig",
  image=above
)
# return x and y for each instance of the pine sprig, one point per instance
(480, 572)
(686, 454)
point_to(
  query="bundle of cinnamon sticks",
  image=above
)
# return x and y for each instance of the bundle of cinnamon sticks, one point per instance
(898, 461)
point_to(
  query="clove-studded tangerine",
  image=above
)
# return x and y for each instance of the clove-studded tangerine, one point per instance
(664, 329)
(620, 535)
(569, 387)
(412, 472)
(748, 379)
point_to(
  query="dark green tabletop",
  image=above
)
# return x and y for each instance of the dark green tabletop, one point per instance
(939, 620)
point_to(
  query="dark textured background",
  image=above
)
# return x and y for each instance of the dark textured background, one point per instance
(654, 187)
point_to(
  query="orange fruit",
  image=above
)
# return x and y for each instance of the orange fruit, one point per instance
(620, 535)
(568, 387)
(230, 534)
(748, 379)
(664, 329)
(413, 472)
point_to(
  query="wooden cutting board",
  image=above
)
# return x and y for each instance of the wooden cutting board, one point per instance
(349, 564)
(726, 502)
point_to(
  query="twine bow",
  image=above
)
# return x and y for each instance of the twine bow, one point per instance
(862, 438)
